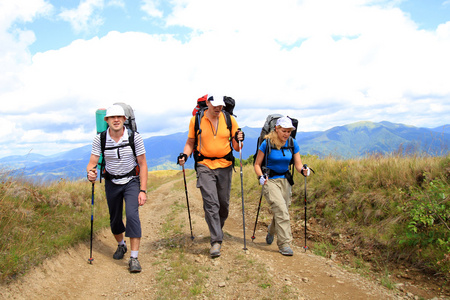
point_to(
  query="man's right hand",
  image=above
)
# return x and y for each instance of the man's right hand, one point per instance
(182, 158)
(92, 175)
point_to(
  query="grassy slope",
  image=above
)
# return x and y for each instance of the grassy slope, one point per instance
(363, 208)
(383, 210)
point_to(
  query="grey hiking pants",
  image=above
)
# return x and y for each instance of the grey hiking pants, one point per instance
(215, 186)
(116, 194)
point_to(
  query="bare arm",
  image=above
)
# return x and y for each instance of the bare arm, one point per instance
(258, 162)
(188, 149)
(143, 176)
(298, 164)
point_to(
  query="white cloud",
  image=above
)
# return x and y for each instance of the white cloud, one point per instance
(14, 55)
(116, 3)
(150, 7)
(327, 63)
(85, 16)
(22, 11)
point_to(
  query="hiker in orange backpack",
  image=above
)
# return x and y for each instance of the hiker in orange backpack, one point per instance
(213, 134)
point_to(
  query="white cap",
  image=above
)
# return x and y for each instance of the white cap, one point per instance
(115, 110)
(216, 100)
(285, 122)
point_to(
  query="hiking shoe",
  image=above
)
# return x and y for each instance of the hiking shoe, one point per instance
(215, 250)
(286, 251)
(269, 237)
(134, 265)
(121, 250)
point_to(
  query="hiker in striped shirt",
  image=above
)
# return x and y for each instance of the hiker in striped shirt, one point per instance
(125, 180)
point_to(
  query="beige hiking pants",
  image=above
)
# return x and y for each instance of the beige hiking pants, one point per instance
(278, 193)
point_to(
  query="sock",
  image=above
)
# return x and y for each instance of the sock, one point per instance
(122, 242)
(134, 254)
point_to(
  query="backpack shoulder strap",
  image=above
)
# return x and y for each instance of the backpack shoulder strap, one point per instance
(291, 147)
(291, 144)
(228, 121)
(131, 141)
(103, 142)
(266, 153)
(102, 149)
(268, 146)
(197, 129)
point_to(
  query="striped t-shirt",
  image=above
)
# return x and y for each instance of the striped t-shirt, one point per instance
(121, 160)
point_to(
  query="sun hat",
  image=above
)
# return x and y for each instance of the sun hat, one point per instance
(285, 122)
(115, 110)
(216, 100)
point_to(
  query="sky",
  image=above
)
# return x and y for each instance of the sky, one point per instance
(325, 62)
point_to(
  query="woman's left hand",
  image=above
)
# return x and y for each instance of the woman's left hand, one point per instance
(306, 171)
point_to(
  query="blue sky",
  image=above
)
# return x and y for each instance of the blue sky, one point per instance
(325, 62)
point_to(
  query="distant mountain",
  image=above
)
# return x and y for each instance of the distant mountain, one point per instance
(349, 141)
(364, 138)
(442, 129)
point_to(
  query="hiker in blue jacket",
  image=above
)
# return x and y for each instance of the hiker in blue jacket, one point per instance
(277, 181)
(125, 180)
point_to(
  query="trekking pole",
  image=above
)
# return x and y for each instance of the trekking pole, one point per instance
(305, 167)
(90, 260)
(242, 191)
(257, 213)
(305, 247)
(187, 201)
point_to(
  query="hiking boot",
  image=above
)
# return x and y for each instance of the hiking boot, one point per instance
(215, 250)
(269, 237)
(286, 251)
(134, 265)
(121, 250)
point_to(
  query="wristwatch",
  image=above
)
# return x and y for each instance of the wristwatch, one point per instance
(143, 191)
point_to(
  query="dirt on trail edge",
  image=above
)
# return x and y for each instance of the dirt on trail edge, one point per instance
(302, 276)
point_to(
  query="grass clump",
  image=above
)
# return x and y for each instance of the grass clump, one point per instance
(176, 277)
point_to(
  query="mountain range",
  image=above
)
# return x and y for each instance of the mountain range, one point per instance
(349, 141)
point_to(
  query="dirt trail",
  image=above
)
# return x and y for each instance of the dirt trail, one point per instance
(302, 276)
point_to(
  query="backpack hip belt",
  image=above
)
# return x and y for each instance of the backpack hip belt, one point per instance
(134, 172)
(271, 173)
(199, 157)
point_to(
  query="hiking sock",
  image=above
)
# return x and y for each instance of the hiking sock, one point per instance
(122, 242)
(134, 254)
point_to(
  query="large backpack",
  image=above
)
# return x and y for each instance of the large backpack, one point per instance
(201, 104)
(198, 112)
(269, 125)
(129, 113)
(131, 127)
